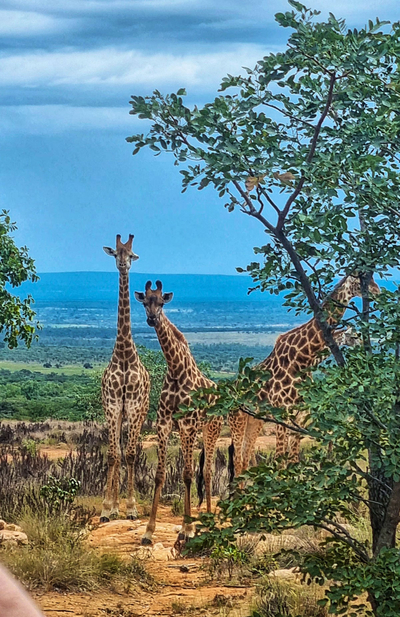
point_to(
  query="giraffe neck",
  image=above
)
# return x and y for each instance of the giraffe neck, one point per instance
(174, 346)
(338, 301)
(124, 334)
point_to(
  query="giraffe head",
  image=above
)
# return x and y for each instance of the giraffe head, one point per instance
(353, 284)
(349, 287)
(123, 254)
(153, 301)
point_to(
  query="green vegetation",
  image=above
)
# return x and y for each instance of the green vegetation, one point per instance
(16, 315)
(66, 393)
(25, 394)
(308, 145)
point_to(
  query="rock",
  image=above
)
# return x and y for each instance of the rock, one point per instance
(273, 544)
(12, 527)
(155, 553)
(164, 554)
(286, 574)
(13, 538)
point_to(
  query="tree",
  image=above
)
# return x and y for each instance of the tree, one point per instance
(307, 144)
(16, 267)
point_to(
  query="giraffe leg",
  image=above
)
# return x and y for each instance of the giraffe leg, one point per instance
(211, 431)
(163, 432)
(110, 503)
(253, 429)
(294, 448)
(135, 420)
(188, 437)
(237, 424)
(295, 439)
(282, 441)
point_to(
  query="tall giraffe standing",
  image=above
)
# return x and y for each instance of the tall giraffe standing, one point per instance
(183, 376)
(294, 352)
(125, 391)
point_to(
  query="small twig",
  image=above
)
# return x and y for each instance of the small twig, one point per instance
(311, 153)
(270, 201)
(288, 115)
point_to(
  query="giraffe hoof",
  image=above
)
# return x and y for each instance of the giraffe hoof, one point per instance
(131, 517)
(104, 519)
(146, 542)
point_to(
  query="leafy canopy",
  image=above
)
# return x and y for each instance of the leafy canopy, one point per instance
(16, 315)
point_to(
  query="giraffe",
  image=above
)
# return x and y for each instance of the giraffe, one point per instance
(125, 391)
(293, 353)
(183, 376)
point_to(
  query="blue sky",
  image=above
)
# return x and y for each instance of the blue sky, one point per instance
(67, 71)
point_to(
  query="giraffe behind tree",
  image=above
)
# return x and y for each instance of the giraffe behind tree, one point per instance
(183, 376)
(125, 391)
(293, 353)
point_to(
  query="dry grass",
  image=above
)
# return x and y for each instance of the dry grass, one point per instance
(57, 558)
(284, 599)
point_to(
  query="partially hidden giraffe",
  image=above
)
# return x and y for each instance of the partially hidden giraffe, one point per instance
(293, 353)
(183, 377)
(125, 391)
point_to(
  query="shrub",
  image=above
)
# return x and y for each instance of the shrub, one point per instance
(283, 599)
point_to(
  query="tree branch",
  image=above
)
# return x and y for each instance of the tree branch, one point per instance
(310, 156)
(296, 428)
(346, 537)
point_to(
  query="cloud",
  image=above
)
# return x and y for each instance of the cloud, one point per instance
(27, 23)
(117, 67)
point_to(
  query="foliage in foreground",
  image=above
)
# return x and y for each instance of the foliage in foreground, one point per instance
(16, 315)
(308, 145)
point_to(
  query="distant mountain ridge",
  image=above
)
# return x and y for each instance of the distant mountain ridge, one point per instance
(103, 287)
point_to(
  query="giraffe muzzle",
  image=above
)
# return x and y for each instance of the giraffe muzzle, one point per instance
(151, 321)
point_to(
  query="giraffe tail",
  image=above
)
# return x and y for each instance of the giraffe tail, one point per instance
(200, 477)
(231, 466)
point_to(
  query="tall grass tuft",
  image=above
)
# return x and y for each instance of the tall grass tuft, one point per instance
(279, 598)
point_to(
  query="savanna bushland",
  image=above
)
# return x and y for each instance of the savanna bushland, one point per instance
(307, 144)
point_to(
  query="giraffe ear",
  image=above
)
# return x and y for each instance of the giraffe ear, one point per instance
(167, 297)
(110, 251)
(139, 295)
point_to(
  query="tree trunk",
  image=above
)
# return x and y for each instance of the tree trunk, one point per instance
(380, 491)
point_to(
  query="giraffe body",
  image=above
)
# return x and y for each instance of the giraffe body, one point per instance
(294, 352)
(183, 377)
(125, 392)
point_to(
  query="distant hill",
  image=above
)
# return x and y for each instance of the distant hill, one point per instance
(103, 287)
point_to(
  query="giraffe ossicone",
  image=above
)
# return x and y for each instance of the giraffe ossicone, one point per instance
(125, 391)
(183, 377)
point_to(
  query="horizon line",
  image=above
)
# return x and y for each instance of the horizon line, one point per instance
(238, 274)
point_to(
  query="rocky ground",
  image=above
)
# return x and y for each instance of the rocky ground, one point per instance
(181, 585)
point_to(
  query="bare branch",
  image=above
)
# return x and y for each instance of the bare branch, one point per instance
(343, 535)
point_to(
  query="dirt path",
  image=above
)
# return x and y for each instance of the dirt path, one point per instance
(181, 585)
